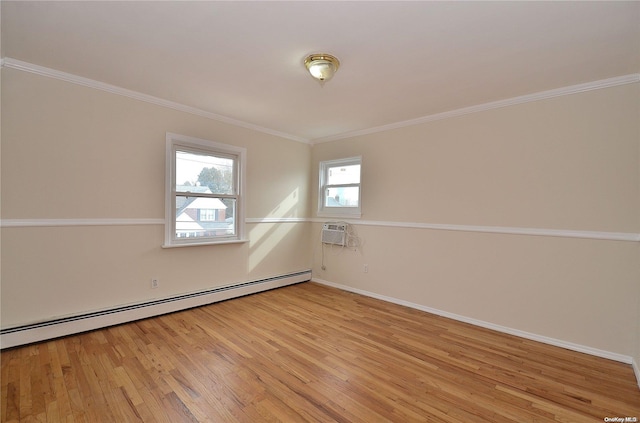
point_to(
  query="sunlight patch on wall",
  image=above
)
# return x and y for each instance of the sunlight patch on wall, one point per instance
(264, 237)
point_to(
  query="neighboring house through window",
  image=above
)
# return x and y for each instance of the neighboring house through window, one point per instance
(339, 190)
(204, 192)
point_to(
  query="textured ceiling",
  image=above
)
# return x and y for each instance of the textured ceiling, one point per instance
(399, 60)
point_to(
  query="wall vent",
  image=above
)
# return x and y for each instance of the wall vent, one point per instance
(334, 233)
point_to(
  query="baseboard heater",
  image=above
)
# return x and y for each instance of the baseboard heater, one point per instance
(55, 328)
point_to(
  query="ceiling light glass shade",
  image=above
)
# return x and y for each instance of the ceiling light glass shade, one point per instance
(322, 66)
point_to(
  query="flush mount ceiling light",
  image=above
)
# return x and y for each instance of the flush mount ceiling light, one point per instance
(322, 66)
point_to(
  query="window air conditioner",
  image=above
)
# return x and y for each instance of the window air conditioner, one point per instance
(334, 233)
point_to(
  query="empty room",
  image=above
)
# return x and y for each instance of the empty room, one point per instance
(320, 211)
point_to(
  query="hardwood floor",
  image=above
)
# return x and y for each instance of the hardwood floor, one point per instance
(308, 353)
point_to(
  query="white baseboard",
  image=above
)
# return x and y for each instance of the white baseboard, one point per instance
(69, 325)
(636, 370)
(522, 334)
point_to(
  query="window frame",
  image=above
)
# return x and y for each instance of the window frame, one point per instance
(349, 212)
(183, 143)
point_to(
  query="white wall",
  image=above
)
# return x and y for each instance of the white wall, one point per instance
(569, 164)
(636, 357)
(72, 152)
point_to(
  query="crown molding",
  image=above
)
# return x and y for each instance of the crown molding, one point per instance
(543, 95)
(113, 89)
(79, 80)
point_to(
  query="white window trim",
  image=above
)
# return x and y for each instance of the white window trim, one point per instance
(176, 140)
(348, 212)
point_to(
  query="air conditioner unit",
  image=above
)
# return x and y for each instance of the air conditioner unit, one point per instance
(334, 233)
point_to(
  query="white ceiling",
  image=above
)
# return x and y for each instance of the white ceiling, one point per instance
(399, 60)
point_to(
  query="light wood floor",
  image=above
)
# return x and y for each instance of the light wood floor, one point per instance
(308, 353)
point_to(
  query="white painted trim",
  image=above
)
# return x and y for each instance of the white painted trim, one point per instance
(323, 177)
(564, 233)
(22, 223)
(25, 223)
(276, 220)
(573, 89)
(177, 142)
(69, 325)
(636, 370)
(63, 76)
(86, 82)
(200, 244)
(503, 329)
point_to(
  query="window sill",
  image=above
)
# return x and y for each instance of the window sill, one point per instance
(199, 244)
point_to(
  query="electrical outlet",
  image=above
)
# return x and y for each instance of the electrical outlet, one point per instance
(365, 268)
(155, 283)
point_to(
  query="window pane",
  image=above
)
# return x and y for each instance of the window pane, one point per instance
(230, 215)
(343, 175)
(342, 197)
(203, 173)
(200, 217)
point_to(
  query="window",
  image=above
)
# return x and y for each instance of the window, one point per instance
(339, 192)
(208, 215)
(204, 192)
